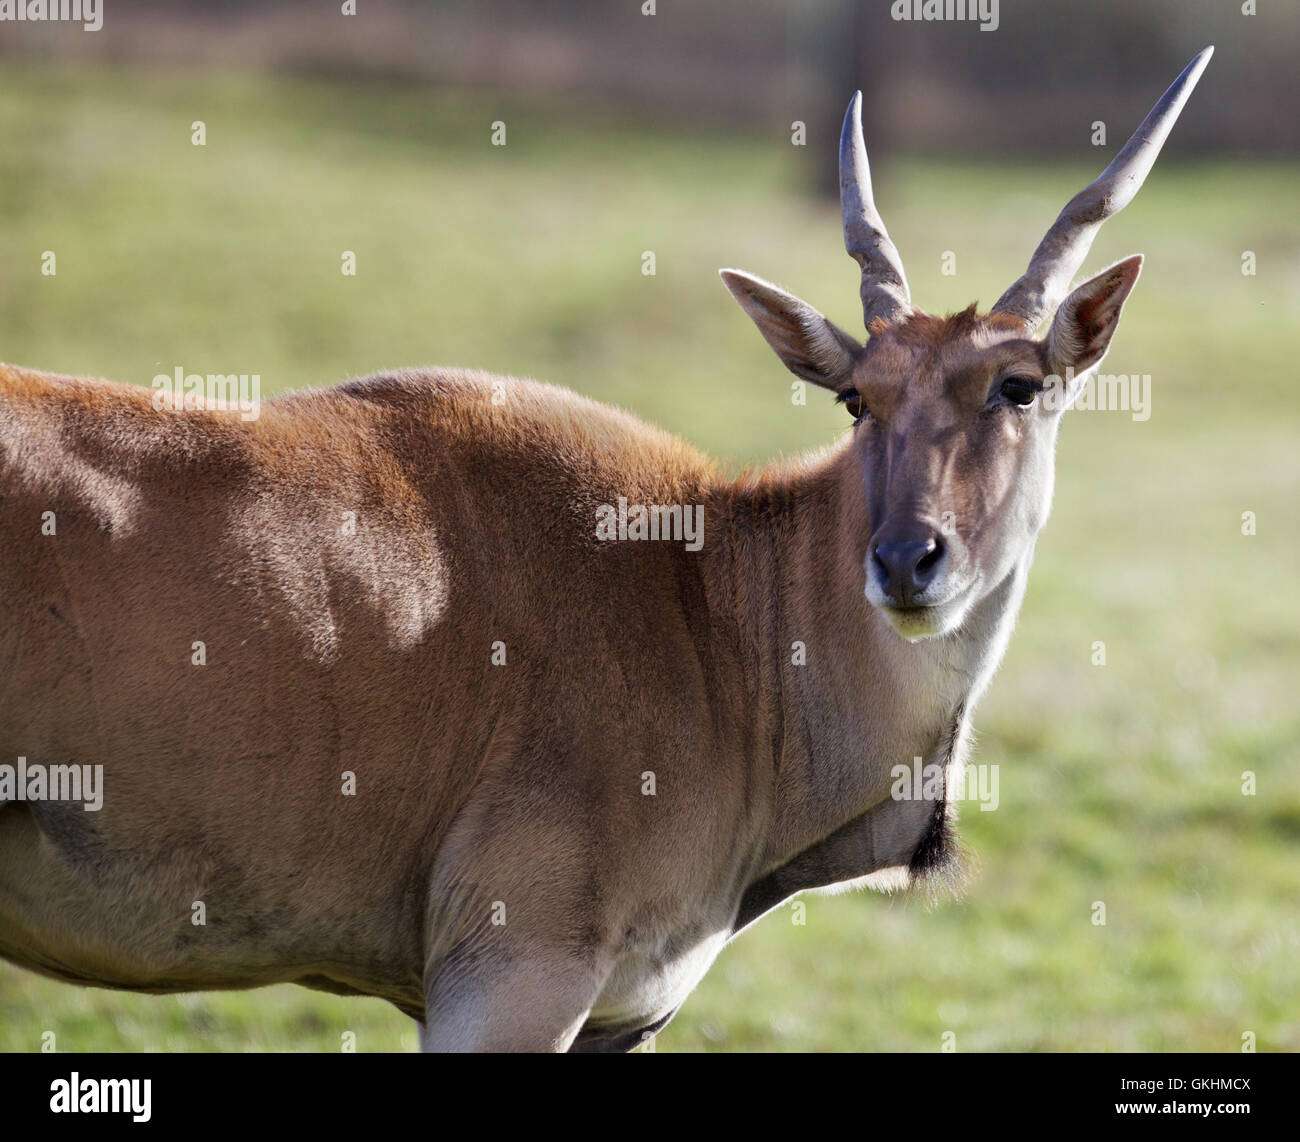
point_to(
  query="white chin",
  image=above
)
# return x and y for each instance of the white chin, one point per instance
(917, 623)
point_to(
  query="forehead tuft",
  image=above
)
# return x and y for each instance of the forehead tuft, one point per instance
(923, 335)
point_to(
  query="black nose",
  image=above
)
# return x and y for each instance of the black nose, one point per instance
(907, 566)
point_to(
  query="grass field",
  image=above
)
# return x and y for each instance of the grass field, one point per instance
(1119, 783)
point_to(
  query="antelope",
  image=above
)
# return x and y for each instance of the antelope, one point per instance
(380, 711)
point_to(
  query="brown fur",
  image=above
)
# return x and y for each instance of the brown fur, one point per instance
(546, 853)
(477, 786)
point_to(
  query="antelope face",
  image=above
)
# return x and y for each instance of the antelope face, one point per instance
(954, 433)
(955, 418)
(954, 443)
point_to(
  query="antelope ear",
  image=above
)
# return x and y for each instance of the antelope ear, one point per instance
(808, 345)
(1086, 320)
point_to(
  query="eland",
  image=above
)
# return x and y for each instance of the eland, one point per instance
(496, 703)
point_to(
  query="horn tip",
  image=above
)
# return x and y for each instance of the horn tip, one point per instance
(854, 112)
(851, 133)
(739, 283)
(1199, 60)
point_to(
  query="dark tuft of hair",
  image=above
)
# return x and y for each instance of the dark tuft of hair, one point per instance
(940, 864)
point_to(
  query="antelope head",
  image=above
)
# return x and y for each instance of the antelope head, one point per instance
(955, 418)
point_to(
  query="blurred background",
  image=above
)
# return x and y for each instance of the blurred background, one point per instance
(676, 133)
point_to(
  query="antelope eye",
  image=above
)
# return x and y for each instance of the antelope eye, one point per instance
(1020, 390)
(852, 400)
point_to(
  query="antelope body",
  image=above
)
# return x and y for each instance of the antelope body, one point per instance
(375, 702)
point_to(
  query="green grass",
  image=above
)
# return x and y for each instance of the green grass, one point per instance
(1119, 784)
